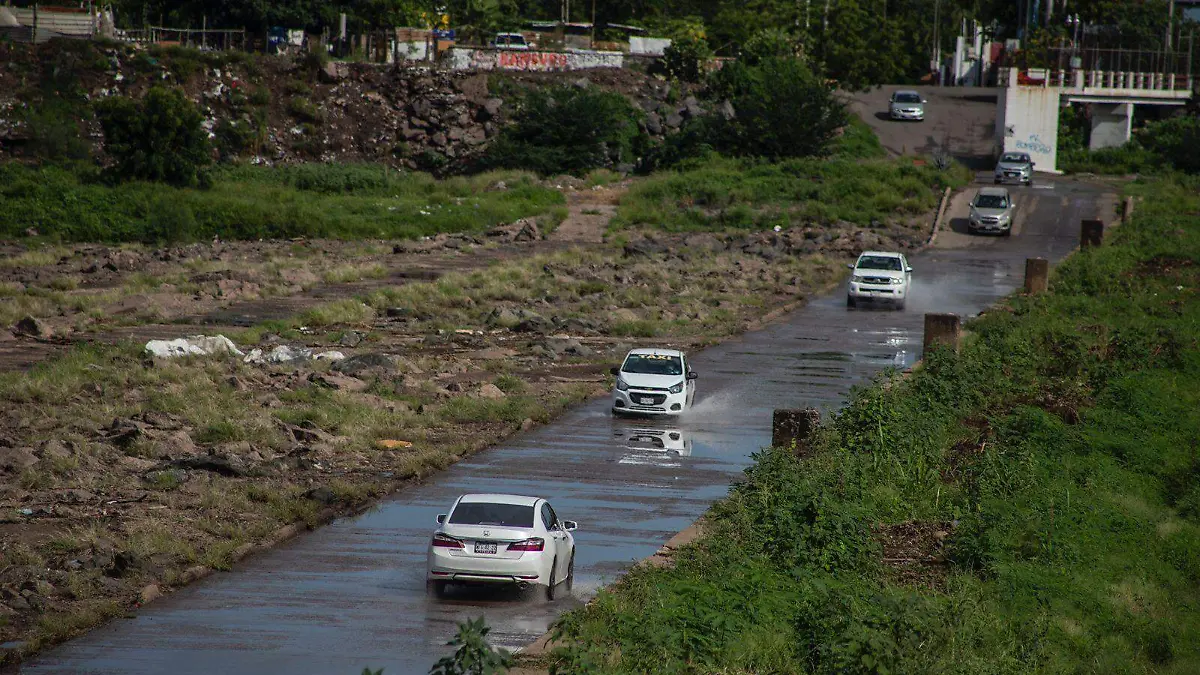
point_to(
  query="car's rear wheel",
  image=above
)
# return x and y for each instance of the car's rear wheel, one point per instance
(1007, 232)
(570, 580)
(436, 588)
(900, 305)
(850, 302)
(551, 588)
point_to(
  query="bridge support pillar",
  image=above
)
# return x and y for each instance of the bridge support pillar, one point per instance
(1112, 125)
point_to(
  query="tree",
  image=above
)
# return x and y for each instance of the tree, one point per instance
(860, 48)
(158, 138)
(781, 109)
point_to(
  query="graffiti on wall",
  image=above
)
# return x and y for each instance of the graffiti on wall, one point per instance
(533, 61)
(1034, 145)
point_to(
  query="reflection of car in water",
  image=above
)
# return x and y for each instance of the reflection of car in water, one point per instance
(670, 441)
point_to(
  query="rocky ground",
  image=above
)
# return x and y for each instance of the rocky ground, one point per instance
(285, 110)
(358, 367)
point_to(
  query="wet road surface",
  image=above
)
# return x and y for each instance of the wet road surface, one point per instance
(352, 594)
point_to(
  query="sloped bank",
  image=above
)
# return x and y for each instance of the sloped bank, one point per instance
(1028, 504)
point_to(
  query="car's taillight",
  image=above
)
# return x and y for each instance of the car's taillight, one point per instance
(443, 541)
(534, 544)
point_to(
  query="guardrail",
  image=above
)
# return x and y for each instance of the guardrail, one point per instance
(1104, 79)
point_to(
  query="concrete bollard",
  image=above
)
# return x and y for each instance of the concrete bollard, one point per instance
(1091, 233)
(942, 328)
(1037, 275)
(794, 426)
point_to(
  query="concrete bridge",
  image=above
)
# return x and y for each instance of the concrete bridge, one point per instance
(1029, 102)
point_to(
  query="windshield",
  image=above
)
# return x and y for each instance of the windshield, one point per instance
(908, 98)
(653, 364)
(1015, 159)
(484, 513)
(879, 262)
(991, 202)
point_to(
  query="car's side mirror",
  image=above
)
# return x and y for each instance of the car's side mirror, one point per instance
(615, 370)
(569, 526)
(441, 518)
(1033, 164)
(692, 375)
(849, 266)
(909, 270)
(924, 101)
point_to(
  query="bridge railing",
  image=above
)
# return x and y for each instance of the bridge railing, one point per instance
(1103, 79)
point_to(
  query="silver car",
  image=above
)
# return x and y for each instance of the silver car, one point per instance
(907, 105)
(992, 210)
(1014, 167)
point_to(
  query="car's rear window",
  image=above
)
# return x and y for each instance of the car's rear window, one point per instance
(486, 513)
(879, 262)
(653, 364)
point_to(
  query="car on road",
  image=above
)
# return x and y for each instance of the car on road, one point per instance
(879, 276)
(502, 539)
(906, 105)
(992, 210)
(1014, 167)
(653, 382)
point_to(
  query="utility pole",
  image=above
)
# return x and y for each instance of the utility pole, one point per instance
(934, 61)
(1170, 23)
(825, 20)
(1049, 12)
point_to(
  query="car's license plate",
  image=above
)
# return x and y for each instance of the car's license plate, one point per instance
(481, 547)
(1011, 174)
(646, 400)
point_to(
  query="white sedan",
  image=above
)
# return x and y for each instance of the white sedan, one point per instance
(654, 382)
(879, 276)
(501, 539)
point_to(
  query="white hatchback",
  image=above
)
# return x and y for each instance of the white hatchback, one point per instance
(501, 539)
(654, 382)
(879, 276)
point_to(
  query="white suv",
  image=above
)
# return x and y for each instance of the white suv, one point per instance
(879, 275)
(654, 382)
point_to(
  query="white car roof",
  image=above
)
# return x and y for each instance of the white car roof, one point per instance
(655, 350)
(518, 500)
(884, 254)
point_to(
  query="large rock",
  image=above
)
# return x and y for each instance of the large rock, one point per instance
(33, 327)
(365, 364)
(16, 460)
(491, 392)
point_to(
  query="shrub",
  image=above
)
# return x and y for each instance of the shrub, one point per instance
(54, 132)
(568, 130)
(687, 56)
(781, 107)
(235, 137)
(158, 138)
(1176, 140)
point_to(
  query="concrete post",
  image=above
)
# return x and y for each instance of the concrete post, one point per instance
(1091, 233)
(942, 328)
(1078, 76)
(790, 427)
(1037, 275)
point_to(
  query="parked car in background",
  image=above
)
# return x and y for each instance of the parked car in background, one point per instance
(1014, 167)
(907, 105)
(879, 276)
(992, 210)
(510, 41)
(501, 539)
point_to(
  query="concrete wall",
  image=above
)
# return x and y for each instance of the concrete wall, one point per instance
(1030, 124)
(75, 24)
(1112, 125)
(650, 46)
(533, 61)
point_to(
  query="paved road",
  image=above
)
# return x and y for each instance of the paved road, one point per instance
(961, 119)
(352, 594)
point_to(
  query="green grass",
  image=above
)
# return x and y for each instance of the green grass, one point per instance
(313, 200)
(719, 193)
(1062, 439)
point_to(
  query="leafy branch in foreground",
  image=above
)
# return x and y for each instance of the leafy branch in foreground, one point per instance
(474, 655)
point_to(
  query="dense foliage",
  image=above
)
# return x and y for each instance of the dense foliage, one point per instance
(156, 138)
(1160, 146)
(1056, 457)
(568, 129)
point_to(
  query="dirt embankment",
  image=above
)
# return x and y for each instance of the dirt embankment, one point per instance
(282, 109)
